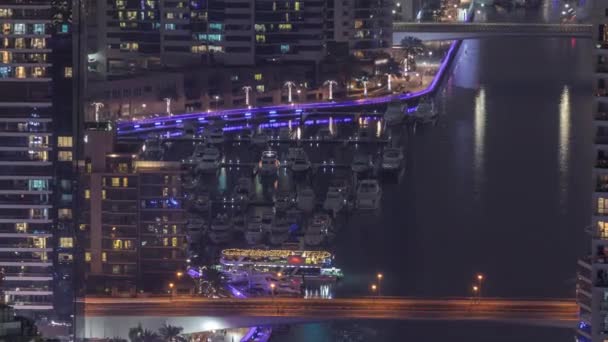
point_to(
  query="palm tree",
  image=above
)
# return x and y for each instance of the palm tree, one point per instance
(135, 333)
(413, 47)
(150, 336)
(170, 333)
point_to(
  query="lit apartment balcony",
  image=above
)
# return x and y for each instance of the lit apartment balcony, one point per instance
(36, 306)
(8, 277)
(25, 262)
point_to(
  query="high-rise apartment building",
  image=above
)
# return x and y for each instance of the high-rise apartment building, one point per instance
(26, 143)
(592, 284)
(133, 219)
(127, 36)
(36, 150)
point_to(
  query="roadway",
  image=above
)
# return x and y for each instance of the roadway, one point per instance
(546, 311)
(459, 30)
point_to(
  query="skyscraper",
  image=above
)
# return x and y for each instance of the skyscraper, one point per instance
(27, 143)
(36, 142)
(592, 285)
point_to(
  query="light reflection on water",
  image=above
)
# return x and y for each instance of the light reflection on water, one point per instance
(564, 145)
(479, 141)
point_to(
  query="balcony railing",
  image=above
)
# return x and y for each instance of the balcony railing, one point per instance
(601, 116)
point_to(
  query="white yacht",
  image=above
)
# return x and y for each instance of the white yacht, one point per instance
(152, 148)
(254, 233)
(395, 113)
(214, 135)
(242, 190)
(284, 200)
(269, 163)
(300, 162)
(220, 231)
(202, 201)
(335, 199)
(189, 182)
(392, 159)
(369, 194)
(209, 163)
(306, 199)
(425, 113)
(362, 163)
(317, 230)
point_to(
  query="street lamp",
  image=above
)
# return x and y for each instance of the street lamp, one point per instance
(480, 279)
(171, 286)
(179, 274)
(374, 288)
(247, 89)
(217, 101)
(289, 85)
(331, 84)
(379, 276)
(97, 105)
(279, 274)
(168, 103)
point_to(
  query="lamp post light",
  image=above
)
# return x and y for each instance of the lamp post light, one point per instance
(475, 289)
(171, 287)
(168, 104)
(331, 84)
(289, 85)
(374, 288)
(217, 102)
(247, 89)
(379, 276)
(97, 106)
(480, 279)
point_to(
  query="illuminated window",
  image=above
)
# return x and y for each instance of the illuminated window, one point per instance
(165, 192)
(6, 12)
(67, 72)
(215, 26)
(104, 257)
(296, 5)
(66, 242)
(117, 244)
(20, 72)
(65, 257)
(64, 156)
(87, 256)
(64, 141)
(174, 242)
(257, 77)
(260, 38)
(115, 269)
(115, 181)
(165, 242)
(64, 213)
(259, 88)
(87, 193)
(38, 72)
(21, 227)
(131, 15)
(170, 27)
(82, 227)
(103, 194)
(38, 43)
(123, 167)
(125, 182)
(358, 24)
(199, 49)
(285, 48)
(602, 206)
(285, 27)
(260, 28)
(19, 28)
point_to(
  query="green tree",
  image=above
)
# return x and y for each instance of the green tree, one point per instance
(171, 333)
